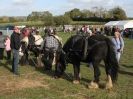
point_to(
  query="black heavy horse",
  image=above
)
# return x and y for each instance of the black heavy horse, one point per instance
(90, 50)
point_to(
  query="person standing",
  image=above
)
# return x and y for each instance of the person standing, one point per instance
(2, 46)
(38, 39)
(15, 45)
(118, 44)
(50, 45)
(8, 48)
(25, 41)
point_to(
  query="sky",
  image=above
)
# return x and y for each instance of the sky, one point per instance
(58, 7)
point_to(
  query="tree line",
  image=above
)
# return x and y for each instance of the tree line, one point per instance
(95, 15)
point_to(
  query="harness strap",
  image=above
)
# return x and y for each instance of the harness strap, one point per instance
(85, 48)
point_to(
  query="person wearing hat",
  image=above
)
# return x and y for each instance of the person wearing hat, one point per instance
(50, 45)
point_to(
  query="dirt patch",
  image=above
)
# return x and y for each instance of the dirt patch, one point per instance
(17, 84)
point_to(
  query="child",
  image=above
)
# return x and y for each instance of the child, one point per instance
(7, 47)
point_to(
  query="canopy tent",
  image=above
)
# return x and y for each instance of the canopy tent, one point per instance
(121, 24)
(111, 23)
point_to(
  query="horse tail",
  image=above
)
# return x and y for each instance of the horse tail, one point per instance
(112, 61)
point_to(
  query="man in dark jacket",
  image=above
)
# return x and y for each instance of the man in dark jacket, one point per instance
(15, 45)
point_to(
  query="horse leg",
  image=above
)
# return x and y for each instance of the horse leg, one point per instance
(94, 83)
(109, 84)
(76, 73)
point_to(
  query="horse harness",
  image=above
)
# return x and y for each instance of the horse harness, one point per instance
(85, 49)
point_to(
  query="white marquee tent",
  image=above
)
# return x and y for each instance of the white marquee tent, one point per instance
(121, 24)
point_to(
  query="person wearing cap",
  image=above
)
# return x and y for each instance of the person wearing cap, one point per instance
(50, 45)
(15, 45)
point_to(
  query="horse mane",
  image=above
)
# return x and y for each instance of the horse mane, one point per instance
(99, 37)
(70, 42)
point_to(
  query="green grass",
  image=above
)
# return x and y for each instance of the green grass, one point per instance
(41, 23)
(87, 23)
(38, 84)
(29, 23)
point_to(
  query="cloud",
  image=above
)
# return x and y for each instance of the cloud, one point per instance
(22, 2)
(90, 1)
(57, 7)
(86, 4)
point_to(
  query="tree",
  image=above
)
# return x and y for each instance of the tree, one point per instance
(48, 21)
(75, 13)
(118, 13)
(5, 19)
(32, 18)
(86, 13)
(39, 16)
(12, 19)
(62, 20)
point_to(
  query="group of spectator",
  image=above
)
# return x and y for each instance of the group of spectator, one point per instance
(13, 43)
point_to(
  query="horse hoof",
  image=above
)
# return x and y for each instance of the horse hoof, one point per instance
(75, 82)
(93, 85)
(109, 86)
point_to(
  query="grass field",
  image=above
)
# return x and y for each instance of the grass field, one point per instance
(37, 84)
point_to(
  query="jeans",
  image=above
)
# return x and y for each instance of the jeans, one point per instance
(15, 61)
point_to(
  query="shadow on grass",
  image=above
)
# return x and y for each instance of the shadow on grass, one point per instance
(126, 72)
(51, 73)
(48, 72)
(123, 65)
(122, 71)
(6, 65)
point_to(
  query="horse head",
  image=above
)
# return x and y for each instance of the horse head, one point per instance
(64, 56)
